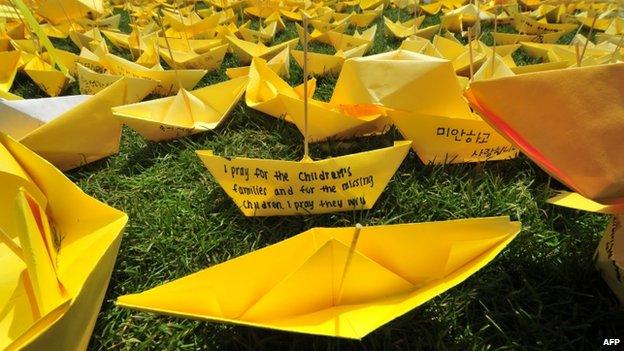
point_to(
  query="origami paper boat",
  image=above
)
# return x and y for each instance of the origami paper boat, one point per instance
(345, 183)
(209, 60)
(72, 131)
(51, 81)
(57, 251)
(198, 46)
(91, 83)
(264, 35)
(247, 51)
(264, 89)
(321, 64)
(280, 64)
(326, 121)
(334, 288)
(440, 122)
(405, 29)
(184, 114)
(593, 168)
(167, 80)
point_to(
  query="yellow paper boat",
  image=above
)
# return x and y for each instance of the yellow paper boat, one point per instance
(209, 60)
(405, 29)
(199, 46)
(527, 25)
(86, 59)
(57, 11)
(280, 64)
(431, 9)
(167, 80)
(283, 188)
(333, 288)
(91, 83)
(264, 35)
(540, 67)
(83, 132)
(321, 64)
(133, 41)
(593, 168)
(265, 86)
(184, 114)
(440, 122)
(10, 62)
(55, 277)
(326, 121)
(246, 51)
(51, 81)
(512, 38)
(346, 42)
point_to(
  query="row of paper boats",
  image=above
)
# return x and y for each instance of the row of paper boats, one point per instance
(342, 282)
(194, 45)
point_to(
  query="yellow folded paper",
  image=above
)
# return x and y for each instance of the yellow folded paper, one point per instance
(322, 64)
(91, 83)
(405, 29)
(87, 131)
(247, 51)
(57, 251)
(184, 114)
(340, 282)
(10, 62)
(264, 35)
(326, 121)
(439, 122)
(51, 81)
(280, 64)
(167, 80)
(209, 60)
(264, 87)
(261, 187)
(550, 133)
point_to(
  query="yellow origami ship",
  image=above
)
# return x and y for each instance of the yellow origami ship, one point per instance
(339, 282)
(345, 183)
(168, 82)
(74, 134)
(439, 122)
(534, 122)
(184, 114)
(246, 51)
(57, 251)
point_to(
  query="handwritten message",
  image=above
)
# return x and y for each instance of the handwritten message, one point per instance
(272, 187)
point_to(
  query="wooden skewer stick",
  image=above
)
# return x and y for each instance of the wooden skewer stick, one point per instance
(493, 40)
(26, 28)
(173, 66)
(136, 31)
(67, 16)
(617, 47)
(591, 31)
(578, 54)
(182, 21)
(354, 241)
(306, 148)
(470, 34)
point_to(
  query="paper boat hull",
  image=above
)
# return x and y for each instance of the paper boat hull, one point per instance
(393, 269)
(346, 183)
(441, 140)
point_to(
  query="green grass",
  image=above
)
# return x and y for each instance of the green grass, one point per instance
(542, 292)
